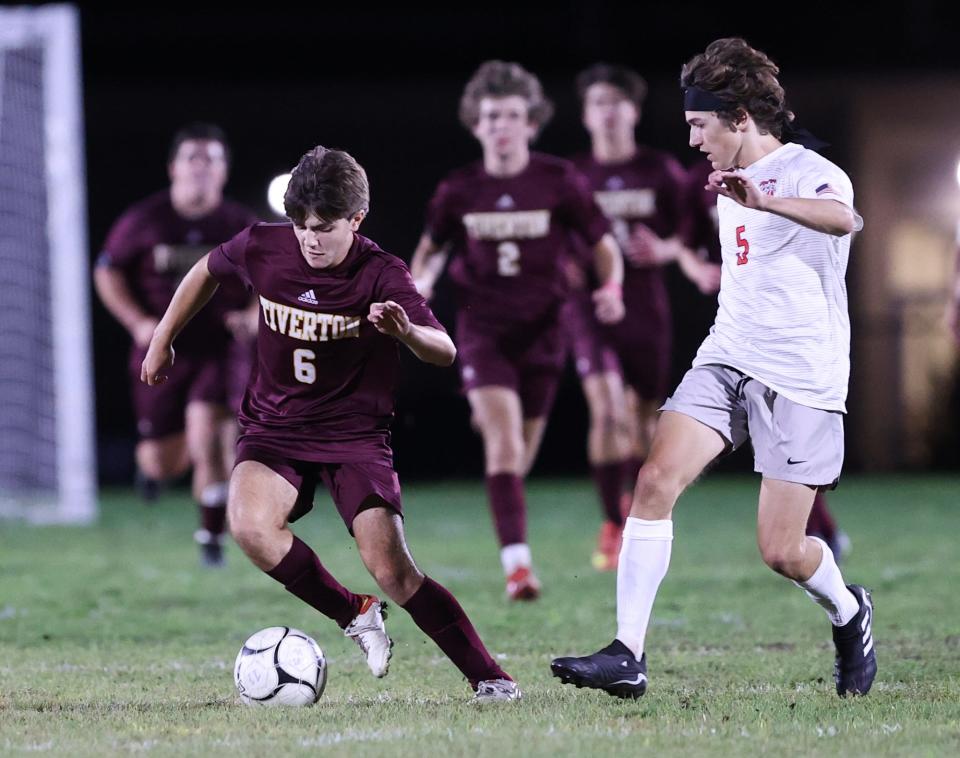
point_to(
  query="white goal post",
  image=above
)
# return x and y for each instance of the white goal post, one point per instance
(47, 454)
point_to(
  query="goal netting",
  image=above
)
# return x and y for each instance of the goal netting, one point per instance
(47, 461)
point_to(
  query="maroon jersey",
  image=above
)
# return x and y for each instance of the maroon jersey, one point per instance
(647, 189)
(700, 225)
(154, 247)
(509, 235)
(323, 385)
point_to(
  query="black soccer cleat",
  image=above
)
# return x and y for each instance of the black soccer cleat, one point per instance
(612, 669)
(211, 555)
(856, 663)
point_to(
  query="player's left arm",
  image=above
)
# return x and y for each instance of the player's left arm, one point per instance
(608, 264)
(196, 289)
(820, 214)
(429, 344)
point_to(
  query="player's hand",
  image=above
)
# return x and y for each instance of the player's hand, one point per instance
(157, 363)
(737, 187)
(608, 303)
(644, 248)
(704, 275)
(142, 331)
(389, 318)
(242, 324)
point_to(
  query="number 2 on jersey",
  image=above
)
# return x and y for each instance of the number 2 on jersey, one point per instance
(508, 259)
(743, 245)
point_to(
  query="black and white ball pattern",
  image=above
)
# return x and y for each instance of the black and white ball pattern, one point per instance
(280, 666)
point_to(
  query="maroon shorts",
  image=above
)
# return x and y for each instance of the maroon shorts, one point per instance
(528, 360)
(587, 342)
(354, 487)
(160, 410)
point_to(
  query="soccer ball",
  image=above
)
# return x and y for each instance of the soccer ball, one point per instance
(280, 666)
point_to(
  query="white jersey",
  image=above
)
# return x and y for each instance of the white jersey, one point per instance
(783, 300)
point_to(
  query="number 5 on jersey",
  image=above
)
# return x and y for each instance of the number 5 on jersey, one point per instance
(743, 245)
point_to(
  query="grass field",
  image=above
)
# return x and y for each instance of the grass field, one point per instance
(112, 640)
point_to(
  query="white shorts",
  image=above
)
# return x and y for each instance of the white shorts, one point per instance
(791, 442)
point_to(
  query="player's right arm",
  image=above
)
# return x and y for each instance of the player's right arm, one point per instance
(114, 292)
(197, 287)
(427, 265)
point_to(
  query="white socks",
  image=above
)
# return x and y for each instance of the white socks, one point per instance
(514, 556)
(826, 589)
(644, 559)
(214, 495)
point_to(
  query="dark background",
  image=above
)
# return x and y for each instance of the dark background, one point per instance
(383, 82)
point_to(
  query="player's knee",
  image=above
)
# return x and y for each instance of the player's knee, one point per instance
(506, 455)
(782, 559)
(657, 490)
(252, 532)
(398, 579)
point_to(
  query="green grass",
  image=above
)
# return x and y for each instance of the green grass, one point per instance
(113, 641)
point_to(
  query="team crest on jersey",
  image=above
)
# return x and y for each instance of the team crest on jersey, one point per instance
(768, 187)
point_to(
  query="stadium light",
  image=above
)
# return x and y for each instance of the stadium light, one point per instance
(278, 185)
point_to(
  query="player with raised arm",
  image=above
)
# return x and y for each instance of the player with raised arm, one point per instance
(150, 248)
(774, 368)
(700, 234)
(509, 218)
(641, 191)
(333, 308)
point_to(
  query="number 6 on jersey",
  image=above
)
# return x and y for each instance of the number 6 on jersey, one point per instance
(304, 371)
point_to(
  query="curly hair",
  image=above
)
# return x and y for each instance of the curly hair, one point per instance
(328, 183)
(743, 76)
(503, 79)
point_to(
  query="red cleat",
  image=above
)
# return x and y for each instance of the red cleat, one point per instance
(522, 584)
(607, 555)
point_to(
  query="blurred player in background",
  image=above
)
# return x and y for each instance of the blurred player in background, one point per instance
(774, 368)
(641, 191)
(335, 308)
(187, 421)
(509, 218)
(700, 233)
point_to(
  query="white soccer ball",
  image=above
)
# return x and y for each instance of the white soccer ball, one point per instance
(280, 666)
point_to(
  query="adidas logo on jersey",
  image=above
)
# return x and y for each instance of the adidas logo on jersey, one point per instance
(309, 297)
(505, 202)
(615, 183)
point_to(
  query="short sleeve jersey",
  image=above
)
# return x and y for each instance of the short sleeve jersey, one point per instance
(510, 234)
(782, 315)
(154, 247)
(324, 382)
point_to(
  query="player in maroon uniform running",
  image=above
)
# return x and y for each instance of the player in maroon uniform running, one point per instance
(149, 249)
(510, 218)
(333, 308)
(640, 191)
(700, 233)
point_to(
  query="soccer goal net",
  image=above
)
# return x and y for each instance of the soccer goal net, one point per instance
(47, 456)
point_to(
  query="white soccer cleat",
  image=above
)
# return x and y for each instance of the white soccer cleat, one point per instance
(497, 690)
(368, 631)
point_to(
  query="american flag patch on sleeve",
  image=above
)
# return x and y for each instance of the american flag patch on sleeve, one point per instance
(826, 189)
